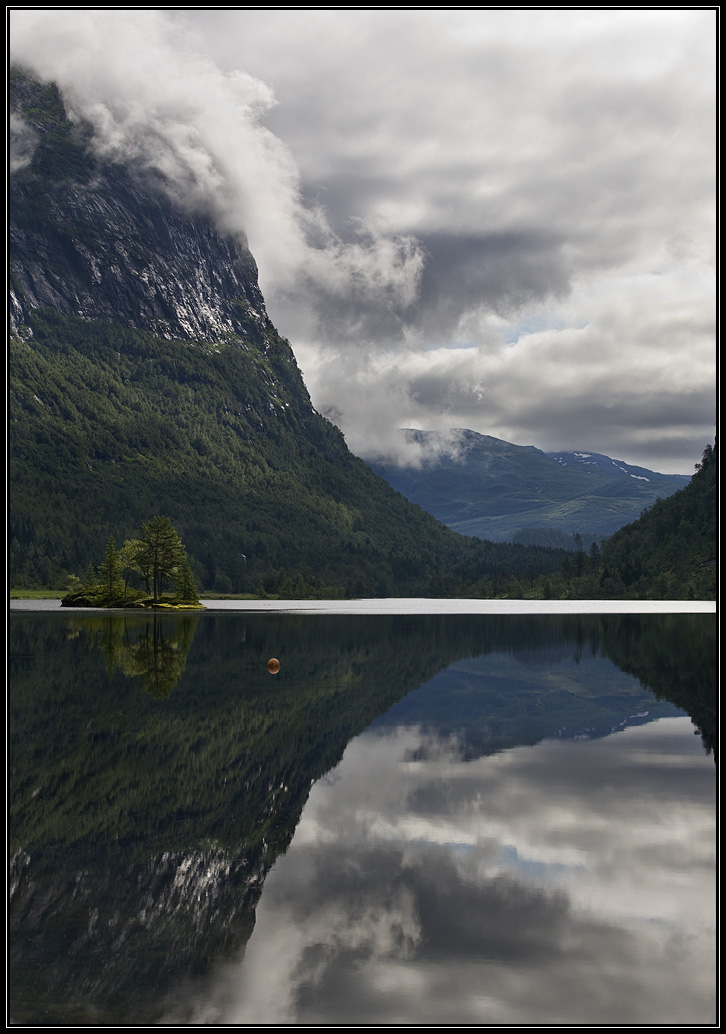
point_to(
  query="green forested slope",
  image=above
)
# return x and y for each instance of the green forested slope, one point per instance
(671, 551)
(109, 425)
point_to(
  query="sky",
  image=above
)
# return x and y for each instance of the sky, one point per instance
(501, 220)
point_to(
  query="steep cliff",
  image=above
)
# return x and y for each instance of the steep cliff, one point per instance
(106, 241)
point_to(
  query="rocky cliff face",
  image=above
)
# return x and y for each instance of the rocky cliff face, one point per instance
(106, 242)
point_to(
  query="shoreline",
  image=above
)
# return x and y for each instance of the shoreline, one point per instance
(394, 605)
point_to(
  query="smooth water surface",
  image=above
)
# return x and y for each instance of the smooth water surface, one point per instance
(538, 884)
(421, 819)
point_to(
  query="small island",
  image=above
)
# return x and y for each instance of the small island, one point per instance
(156, 562)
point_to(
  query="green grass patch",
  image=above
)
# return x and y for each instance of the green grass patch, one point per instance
(37, 594)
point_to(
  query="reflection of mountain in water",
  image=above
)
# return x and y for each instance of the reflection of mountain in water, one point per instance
(143, 825)
(502, 700)
(561, 680)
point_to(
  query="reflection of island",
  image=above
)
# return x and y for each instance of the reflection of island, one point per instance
(153, 647)
(151, 819)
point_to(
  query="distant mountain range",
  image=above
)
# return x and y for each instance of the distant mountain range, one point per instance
(479, 485)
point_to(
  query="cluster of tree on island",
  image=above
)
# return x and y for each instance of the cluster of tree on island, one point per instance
(153, 560)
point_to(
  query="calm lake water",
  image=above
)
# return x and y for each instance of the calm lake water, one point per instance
(493, 818)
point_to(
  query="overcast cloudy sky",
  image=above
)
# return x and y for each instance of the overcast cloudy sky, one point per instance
(495, 219)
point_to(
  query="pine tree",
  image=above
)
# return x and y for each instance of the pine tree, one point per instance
(110, 570)
(161, 551)
(186, 588)
(130, 559)
(594, 556)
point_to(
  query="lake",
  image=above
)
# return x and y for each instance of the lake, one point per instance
(422, 818)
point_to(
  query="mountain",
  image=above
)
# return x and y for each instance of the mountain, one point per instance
(479, 485)
(147, 378)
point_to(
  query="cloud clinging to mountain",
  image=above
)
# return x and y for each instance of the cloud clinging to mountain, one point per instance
(495, 219)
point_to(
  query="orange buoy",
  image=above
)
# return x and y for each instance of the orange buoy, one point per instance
(273, 665)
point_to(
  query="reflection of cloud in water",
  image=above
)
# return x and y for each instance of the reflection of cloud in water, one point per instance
(564, 882)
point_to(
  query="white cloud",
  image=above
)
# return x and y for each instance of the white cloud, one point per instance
(22, 139)
(621, 367)
(153, 98)
(412, 181)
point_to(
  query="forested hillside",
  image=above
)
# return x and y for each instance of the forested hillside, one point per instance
(671, 551)
(110, 425)
(146, 378)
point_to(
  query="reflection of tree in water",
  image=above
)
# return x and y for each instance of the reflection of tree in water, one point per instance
(676, 658)
(153, 648)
